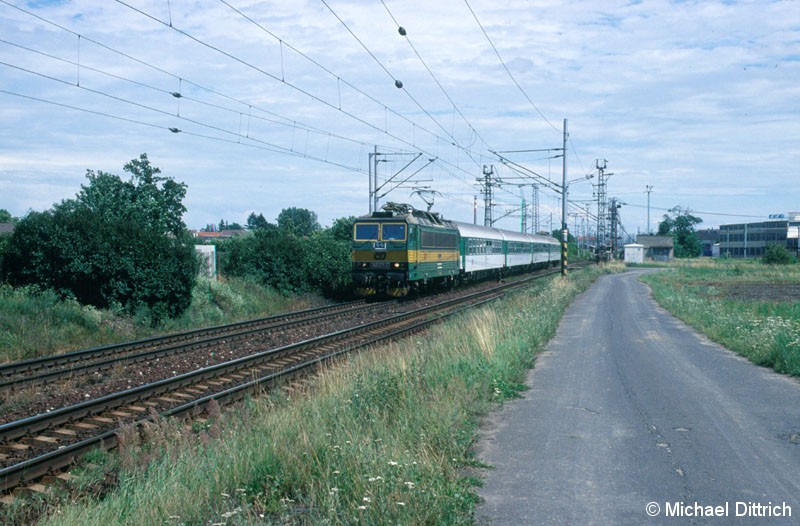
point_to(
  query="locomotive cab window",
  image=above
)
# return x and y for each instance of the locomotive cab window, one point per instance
(366, 231)
(393, 232)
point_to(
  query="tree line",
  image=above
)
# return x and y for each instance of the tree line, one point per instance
(121, 243)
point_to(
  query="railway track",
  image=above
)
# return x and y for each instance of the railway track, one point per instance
(33, 447)
(50, 368)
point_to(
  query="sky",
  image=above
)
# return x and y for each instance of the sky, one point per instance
(258, 106)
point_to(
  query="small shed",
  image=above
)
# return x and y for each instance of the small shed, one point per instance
(657, 248)
(634, 253)
(208, 260)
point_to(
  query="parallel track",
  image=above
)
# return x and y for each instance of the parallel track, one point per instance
(50, 368)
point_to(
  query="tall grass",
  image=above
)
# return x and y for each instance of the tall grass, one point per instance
(381, 439)
(38, 323)
(766, 332)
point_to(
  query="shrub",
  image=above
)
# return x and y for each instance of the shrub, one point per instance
(117, 243)
(777, 255)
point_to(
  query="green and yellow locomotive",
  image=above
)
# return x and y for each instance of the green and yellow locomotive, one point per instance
(400, 249)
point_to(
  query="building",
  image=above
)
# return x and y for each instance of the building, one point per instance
(218, 234)
(709, 241)
(634, 253)
(657, 248)
(750, 240)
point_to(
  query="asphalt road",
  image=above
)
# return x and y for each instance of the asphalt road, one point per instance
(630, 412)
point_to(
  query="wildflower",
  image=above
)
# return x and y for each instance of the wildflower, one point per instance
(401, 503)
(373, 479)
(393, 463)
(334, 490)
(362, 507)
(336, 472)
(366, 499)
(410, 485)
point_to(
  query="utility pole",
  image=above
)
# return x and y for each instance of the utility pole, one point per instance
(564, 227)
(602, 206)
(375, 188)
(614, 223)
(535, 209)
(523, 219)
(488, 171)
(649, 189)
(373, 179)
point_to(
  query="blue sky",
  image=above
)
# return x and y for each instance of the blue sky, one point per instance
(282, 102)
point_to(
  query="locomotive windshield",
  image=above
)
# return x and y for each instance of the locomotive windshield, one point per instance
(380, 232)
(366, 231)
(393, 232)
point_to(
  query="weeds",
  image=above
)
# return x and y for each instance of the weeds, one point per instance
(763, 327)
(381, 438)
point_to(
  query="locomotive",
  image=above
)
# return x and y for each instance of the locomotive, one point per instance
(399, 249)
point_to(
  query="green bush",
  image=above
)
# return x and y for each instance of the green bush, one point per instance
(777, 255)
(117, 243)
(291, 264)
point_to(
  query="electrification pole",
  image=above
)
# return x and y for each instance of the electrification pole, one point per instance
(488, 171)
(564, 227)
(649, 189)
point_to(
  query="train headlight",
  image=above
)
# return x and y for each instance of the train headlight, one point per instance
(396, 265)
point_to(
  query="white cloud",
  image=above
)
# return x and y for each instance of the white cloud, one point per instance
(698, 99)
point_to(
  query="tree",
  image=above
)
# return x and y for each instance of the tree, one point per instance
(5, 216)
(680, 224)
(298, 221)
(342, 228)
(254, 222)
(117, 243)
(224, 225)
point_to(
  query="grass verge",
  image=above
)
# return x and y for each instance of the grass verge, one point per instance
(740, 305)
(38, 323)
(381, 439)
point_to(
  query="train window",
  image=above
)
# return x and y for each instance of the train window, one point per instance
(441, 240)
(393, 232)
(366, 231)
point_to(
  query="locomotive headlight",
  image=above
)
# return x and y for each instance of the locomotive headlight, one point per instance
(396, 265)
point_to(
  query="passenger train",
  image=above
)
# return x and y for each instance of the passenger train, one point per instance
(399, 250)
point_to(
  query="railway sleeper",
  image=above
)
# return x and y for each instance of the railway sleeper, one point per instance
(45, 439)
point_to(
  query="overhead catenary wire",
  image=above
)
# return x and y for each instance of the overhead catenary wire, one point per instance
(402, 30)
(288, 121)
(278, 120)
(308, 93)
(508, 71)
(262, 146)
(398, 83)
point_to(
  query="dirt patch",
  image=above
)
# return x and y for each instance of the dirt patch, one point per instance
(768, 292)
